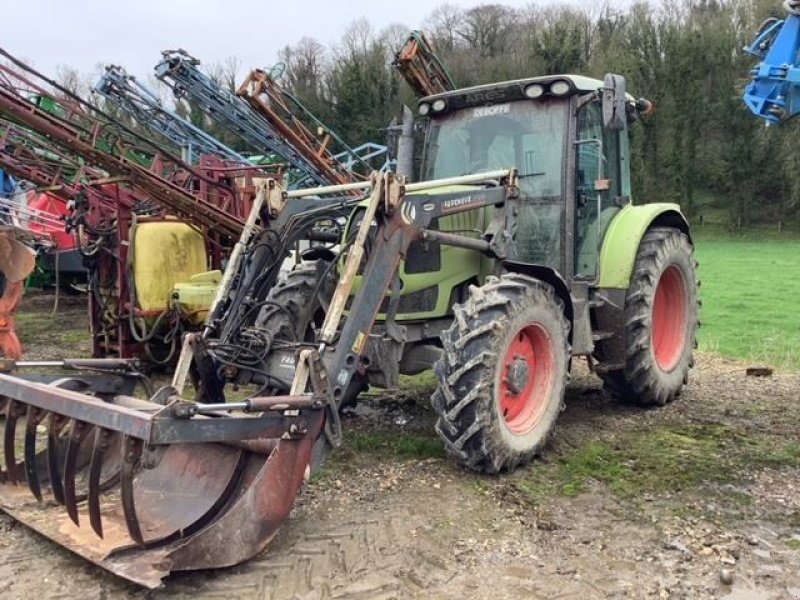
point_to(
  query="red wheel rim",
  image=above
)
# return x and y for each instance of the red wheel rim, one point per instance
(526, 378)
(668, 334)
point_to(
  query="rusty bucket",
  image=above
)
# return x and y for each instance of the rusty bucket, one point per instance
(145, 488)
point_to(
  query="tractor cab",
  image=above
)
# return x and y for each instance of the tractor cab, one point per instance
(574, 165)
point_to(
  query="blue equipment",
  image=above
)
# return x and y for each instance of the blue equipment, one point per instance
(774, 92)
(8, 185)
(182, 73)
(143, 105)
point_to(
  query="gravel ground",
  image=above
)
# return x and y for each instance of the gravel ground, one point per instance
(380, 523)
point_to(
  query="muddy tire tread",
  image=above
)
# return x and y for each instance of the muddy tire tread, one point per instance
(638, 383)
(467, 368)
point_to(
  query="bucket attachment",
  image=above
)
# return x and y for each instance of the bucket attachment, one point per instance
(144, 488)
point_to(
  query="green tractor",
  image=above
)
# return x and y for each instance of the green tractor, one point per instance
(578, 271)
(518, 251)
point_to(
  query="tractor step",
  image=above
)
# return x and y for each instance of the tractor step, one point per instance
(603, 368)
(596, 303)
(600, 336)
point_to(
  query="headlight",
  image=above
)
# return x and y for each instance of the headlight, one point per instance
(560, 88)
(535, 90)
(424, 108)
(439, 105)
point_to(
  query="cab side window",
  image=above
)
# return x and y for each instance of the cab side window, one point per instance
(597, 159)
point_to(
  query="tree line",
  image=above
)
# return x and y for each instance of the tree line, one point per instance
(702, 147)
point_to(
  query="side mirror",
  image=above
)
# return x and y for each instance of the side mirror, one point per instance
(614, 116)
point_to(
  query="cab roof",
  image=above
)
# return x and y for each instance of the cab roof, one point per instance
(509, 91)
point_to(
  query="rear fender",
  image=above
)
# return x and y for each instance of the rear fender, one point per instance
(624, 234)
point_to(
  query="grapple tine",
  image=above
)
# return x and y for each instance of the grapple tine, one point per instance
(196, 492)
(34, 417)
(78, 433)
(101, 445)
(3, 406)
(13, 412)
(55, 424)
(131, 455)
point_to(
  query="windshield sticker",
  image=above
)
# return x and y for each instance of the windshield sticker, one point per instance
(490, 111)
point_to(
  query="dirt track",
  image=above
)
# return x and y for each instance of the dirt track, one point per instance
(590, 520)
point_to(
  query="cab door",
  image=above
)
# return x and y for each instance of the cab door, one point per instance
(599, 186)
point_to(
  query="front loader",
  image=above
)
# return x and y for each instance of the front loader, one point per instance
(518, 251)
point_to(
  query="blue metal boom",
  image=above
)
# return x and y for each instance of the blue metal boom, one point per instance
(181, 72)
(125, 92)
(774, 91)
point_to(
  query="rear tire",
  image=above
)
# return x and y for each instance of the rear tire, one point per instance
(502, 374)
(296, 305)
(661, 321)
(295, 310)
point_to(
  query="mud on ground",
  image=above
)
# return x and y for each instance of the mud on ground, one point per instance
(625, 503)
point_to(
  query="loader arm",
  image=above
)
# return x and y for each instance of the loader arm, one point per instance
(402, 217)
(172, 485)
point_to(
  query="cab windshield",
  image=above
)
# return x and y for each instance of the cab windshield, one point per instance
(527, 135)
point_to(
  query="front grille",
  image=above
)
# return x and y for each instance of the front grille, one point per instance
(417, 302)
(424, 257)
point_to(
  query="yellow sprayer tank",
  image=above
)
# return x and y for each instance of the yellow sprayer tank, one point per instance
(196, 296)
(165, 253)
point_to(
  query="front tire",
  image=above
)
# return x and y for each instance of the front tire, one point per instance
(661, 321)
(503, 374)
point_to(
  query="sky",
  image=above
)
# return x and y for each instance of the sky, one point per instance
(132, 33)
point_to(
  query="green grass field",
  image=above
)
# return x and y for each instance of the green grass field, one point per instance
(751, 299)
